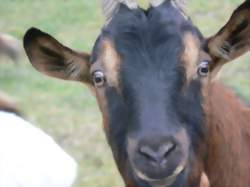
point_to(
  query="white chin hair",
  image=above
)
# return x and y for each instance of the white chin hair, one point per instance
(161, 182)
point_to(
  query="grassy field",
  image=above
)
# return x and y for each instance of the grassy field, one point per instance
(66, 110)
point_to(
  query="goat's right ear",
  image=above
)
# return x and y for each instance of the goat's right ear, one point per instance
(233, 40)
(50, 57)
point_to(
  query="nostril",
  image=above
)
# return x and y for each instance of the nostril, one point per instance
(166, 149)
(148, 153)
(159, 155)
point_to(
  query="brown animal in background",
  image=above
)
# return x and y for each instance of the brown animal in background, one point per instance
(8, 104)
(168, 122)
(10, 47)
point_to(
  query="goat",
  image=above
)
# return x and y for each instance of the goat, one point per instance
(168, 122)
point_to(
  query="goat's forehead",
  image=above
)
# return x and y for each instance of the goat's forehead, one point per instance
(142, 31)
(134, 32)
(144, 41)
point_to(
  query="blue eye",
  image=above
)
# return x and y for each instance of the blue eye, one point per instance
(98, 78)
(203, 69)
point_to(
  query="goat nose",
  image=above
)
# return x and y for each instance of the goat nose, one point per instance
(158, 155)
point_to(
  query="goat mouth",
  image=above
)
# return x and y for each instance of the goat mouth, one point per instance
(164, 182)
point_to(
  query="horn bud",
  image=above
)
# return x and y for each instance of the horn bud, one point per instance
(110, 7)
(156, 3)
(179, 3)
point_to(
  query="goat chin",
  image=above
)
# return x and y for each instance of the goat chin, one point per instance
(31, 158)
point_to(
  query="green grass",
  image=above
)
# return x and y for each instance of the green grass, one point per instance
(67, 110)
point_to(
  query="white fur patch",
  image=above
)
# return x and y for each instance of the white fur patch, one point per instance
(204, 181)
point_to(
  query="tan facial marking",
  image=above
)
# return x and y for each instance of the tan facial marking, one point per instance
(190, 55)
(111, 62)
(108, 62)
(103, 105)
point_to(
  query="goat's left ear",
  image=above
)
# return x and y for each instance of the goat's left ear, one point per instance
(52, 58)
(233, 40)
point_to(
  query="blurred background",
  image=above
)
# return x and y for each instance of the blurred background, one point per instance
(66, 110)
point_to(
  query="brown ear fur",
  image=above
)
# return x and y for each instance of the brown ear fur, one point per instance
(233, 40)
(50, 57)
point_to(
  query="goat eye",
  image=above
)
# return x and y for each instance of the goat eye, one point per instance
(98, 78)
(203, 69)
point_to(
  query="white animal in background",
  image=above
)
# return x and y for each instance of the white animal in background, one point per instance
(31, 158)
